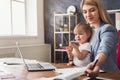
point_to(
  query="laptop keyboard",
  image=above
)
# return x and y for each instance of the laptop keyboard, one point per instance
(36, 66)
(47, 66)
(41, 66)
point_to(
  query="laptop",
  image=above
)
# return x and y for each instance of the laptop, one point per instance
(36, 66)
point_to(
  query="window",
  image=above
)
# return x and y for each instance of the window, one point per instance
(22, 21)
(18, 17)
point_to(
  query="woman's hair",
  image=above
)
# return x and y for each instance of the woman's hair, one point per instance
(83, 27)
(104, 16)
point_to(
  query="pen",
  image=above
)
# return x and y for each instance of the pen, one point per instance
(94, 64)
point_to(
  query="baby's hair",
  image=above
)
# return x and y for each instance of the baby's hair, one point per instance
(83, 27)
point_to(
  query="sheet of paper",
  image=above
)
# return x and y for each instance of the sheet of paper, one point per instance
(69, 73)
(43, 78)
(7, 76)
(4, 74)
(12, 61)
(70, 70)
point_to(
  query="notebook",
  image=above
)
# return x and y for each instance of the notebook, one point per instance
(36, 66)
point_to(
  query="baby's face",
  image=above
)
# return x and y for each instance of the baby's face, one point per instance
(81, 37)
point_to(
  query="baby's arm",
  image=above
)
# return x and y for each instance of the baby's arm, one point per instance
(70, 56)
(81, 54)
(82, 51)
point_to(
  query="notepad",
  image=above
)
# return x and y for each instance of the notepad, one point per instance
(69, 73)
(70, 70)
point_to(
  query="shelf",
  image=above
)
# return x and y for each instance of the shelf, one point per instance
(60, 19)
(60, 50)
(113, 11)
(62, 14)
(64, 32)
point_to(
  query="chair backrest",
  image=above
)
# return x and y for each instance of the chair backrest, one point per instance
(118, 52)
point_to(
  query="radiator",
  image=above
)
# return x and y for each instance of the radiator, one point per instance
(41, 52)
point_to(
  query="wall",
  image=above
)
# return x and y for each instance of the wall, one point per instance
(61, 6)
(41, 52)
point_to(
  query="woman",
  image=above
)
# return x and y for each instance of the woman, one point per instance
(105, 38)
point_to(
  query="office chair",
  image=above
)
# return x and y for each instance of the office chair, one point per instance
(118, 52)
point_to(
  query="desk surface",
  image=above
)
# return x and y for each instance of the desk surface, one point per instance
(20, 72)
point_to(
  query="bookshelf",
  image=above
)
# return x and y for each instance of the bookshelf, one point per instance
(66, 22)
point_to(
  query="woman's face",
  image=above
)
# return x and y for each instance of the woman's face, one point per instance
(91, 14)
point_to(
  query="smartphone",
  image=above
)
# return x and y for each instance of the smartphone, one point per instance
(75, 42)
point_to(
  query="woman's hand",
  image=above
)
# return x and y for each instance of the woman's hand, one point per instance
(95, 71)
(92, 73)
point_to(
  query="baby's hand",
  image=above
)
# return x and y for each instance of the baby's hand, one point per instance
(70, 63)
(74, 44)
(69, 50)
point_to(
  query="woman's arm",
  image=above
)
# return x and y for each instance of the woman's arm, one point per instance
(102, 58)
(107, 40)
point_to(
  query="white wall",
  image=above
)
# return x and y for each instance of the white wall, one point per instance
(41, 52)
